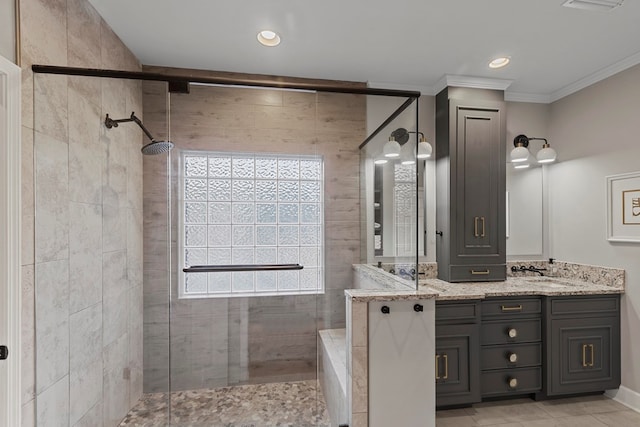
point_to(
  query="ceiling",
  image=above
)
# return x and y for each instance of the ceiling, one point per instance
(404, 44)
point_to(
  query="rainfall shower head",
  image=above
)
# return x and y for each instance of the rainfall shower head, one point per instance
(154, 147)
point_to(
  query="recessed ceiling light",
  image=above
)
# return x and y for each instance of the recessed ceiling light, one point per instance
(601, 5)
(499, 62)
(269, 38)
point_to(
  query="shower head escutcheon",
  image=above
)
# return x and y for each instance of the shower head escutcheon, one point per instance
(154, 147)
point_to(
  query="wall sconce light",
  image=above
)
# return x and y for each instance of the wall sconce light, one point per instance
(521, 153)
(398, 139)
(391, 148)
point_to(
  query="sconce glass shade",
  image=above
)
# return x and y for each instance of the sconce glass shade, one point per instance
(519, 154)
(546, 155)
(391, 148)
(424, 149)
(521, 165)
(380, 161)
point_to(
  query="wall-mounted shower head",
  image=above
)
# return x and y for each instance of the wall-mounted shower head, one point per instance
(154, 147)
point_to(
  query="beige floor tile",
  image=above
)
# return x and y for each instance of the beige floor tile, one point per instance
(626, 418)
(586, 405)
(505, 412)
(578, 421)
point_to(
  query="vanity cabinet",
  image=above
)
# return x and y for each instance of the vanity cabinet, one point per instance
(547, 346)
(511, 355)
(470, 195)
(583, 344)
(457, 367)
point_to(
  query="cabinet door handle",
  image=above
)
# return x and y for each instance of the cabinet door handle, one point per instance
(475, 226)
(480, 272)
(584, 355)
(446, 366)
(483, 229)
(592, 355)
(437, 366)
(514, 308)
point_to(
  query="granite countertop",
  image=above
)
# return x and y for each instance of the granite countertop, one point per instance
(369, 295)
(515, 286)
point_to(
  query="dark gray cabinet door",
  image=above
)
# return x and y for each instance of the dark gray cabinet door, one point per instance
(457, 365)
(479, 186)
(584, 355)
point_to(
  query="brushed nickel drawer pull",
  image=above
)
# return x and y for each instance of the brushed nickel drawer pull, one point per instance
(584, 355)
(513, 383)
(514, 308)
(480, 272)
(437, 366)
(482, 234)
(513, 358)
(475, 226)
(513, 332)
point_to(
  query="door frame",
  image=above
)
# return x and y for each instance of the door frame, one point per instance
(10, 227)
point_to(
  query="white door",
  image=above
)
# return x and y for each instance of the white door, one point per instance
(9, 243)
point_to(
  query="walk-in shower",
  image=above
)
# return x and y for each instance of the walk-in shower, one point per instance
(154, 147)
(191, 288)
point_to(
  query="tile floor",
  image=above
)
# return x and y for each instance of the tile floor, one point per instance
(589, 411)
(290, 404)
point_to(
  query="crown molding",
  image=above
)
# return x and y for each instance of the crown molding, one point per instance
(424, 90)
(537, 98)
(472, 82)
(596, 77)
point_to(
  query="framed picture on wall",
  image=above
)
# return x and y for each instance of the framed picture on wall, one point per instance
(623, 207)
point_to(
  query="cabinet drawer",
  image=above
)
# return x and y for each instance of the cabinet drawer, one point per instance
(506, 331)
(511, 356)
(602, 305)
(478, 273)
(527, 380)
(458, 312)
(512, 307)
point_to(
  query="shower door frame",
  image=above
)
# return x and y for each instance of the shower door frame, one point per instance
(10, 284)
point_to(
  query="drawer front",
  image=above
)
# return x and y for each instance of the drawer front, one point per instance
(512, 307)
(478, 273)
(511, 381)
(604, 305)
(511, 356)
(507, 332)
(462, 312)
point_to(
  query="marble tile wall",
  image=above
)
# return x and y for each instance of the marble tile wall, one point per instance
(82, 222)
(255, 339)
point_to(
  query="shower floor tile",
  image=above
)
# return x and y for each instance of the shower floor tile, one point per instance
(292, 404)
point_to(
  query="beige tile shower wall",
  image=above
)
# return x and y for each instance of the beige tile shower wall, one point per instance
(255, 339)
(82, 222)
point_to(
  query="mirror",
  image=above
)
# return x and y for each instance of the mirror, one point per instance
(524, 211)
(394, 197)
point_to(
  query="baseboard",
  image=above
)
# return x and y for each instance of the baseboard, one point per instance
(626, 396)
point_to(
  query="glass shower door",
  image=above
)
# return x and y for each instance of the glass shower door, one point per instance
(247, 256)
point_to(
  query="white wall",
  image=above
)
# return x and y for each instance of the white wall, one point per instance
(595, 132)
(8, 29)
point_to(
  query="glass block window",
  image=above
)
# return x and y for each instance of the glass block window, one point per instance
(239, 208)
